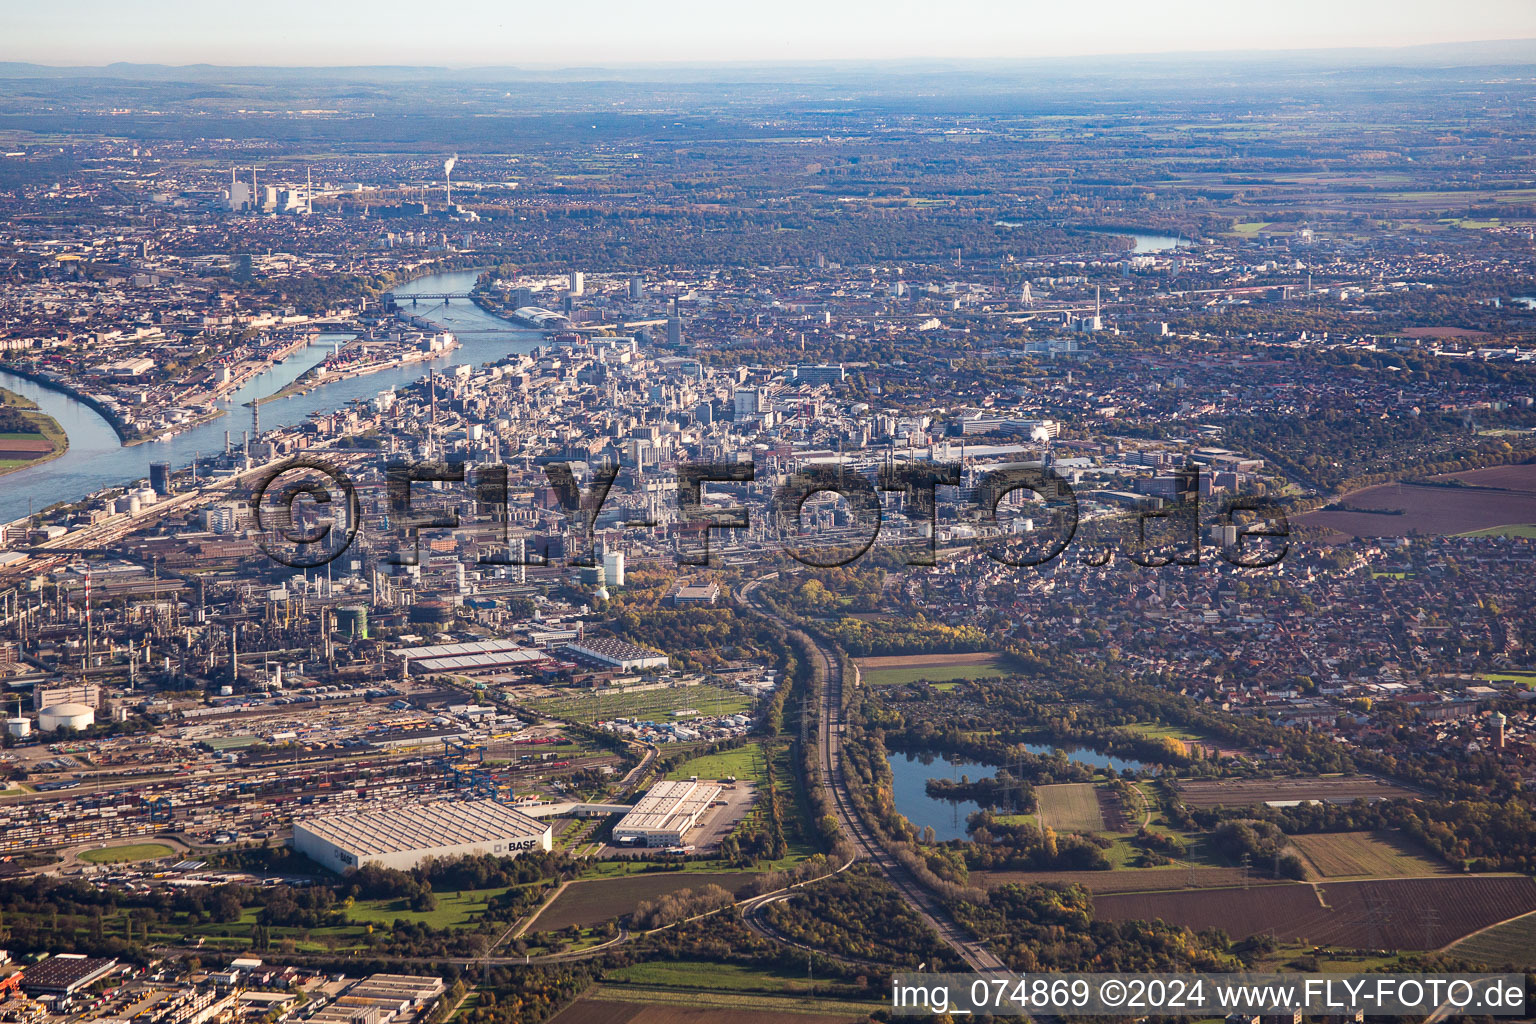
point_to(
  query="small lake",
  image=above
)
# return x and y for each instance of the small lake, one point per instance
(1083, 755)
(910, 774)
(909, 788)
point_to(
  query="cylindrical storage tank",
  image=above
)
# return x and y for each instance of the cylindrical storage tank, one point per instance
(66, 716)
(431, 611)
(352, 619)
(19, 726)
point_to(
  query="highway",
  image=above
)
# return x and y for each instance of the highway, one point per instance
(831, 728)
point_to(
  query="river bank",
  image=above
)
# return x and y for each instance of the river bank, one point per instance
(103, 410)
(97, 457)
(47, 431)
(319, 376)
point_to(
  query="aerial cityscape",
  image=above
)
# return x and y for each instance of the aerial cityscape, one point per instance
(691, 543)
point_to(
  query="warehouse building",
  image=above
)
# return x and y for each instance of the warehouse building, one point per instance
(470, 658)
(667, 813)
(619, 654)
(403, 837)
(65, 973)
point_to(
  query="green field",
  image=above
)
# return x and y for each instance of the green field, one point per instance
(1249, 227)
(670, 704)
(988, 669)
(124, 854)
(1160, 730)
(744, 763)
(1521, 678)
(1513, 942)
(1363, 855)
(1070, 807)
(453, 909)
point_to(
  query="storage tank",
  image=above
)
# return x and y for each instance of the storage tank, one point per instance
(19, 726)
(430, 611)
(66, 716)
(352, 619)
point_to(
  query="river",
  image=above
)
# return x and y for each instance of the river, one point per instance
(95, 459)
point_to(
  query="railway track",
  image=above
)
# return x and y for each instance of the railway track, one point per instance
(829, 752)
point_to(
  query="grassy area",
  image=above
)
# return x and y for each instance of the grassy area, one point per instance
(990, 668)
(1250, 228)
(1362, 855)
(1070, 807)
(671, 704)
(1161, 730)
(1522, 678)
(124, 854)
(453, 909)
(745, 763)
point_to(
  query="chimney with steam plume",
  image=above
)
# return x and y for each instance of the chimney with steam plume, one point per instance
(448, 177)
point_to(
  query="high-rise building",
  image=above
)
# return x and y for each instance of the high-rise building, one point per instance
(160, 477)
(674, 330)
(613, 567)
(578, 284)
(750, 402)
(636, 288)
(821, 373)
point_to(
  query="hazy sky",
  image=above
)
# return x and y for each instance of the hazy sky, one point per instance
(480, 32)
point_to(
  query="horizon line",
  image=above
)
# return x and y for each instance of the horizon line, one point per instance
(768, 63)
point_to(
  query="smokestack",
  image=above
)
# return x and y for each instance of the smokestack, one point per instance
(448, 177)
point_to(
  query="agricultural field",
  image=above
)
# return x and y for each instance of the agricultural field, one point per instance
(667, 704)
(593, 901)
(1513, 942)
(1249, 792)
(1519, 530)
(694, 974)
(1363, 855)
(124, 854)
(1407, 913)
(1070, 807)
(1491, 499)
(935, 668)
(1158, 879)
(605, 1004)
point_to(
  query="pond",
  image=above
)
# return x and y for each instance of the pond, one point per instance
(910, 774)
(1084, 755)
(909, 782)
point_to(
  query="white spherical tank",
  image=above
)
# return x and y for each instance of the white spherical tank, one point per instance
(66, 716)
